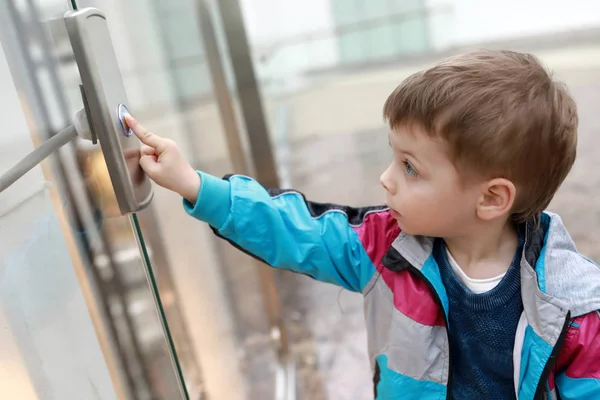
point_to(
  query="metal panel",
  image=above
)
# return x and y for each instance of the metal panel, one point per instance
(105, 94)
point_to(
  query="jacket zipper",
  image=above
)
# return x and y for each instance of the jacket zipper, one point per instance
(439, 302)
(540, 390)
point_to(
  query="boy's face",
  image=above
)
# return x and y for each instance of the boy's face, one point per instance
(423, 188)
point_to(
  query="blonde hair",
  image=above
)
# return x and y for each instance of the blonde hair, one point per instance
(502, 115)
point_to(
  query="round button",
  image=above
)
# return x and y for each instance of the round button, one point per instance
(121, 113)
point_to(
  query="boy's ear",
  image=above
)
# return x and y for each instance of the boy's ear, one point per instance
(497, 198)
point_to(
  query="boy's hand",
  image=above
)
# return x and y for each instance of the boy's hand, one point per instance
(162, 161)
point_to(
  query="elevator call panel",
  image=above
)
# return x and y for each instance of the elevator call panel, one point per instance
(105, 101)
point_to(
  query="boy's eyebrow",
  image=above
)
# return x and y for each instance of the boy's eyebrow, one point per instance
(408, 153)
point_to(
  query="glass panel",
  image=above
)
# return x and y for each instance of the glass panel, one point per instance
(410, 36)
(192, 81)
(346, 11)
(169, 88)
(353, 47)
(50, 341)
(83, 234)
(399, 6)
(181, 34)
(254, 359)
(49, 345)
(381, 42)
(139, 313)
(374, 8)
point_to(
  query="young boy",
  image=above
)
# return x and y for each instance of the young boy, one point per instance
(472, 290)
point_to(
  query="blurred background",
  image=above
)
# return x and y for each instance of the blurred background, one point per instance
(95, 305)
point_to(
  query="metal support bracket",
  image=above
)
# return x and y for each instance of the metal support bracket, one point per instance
(37, 156)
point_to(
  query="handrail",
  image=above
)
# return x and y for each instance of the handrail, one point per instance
(37, 156)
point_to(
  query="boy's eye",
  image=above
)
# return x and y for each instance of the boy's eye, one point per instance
(409, 170)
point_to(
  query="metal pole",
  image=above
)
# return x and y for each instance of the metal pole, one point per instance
(248, 92)
(262, 159)
(258, 138)
(37, 156)
(221, 90)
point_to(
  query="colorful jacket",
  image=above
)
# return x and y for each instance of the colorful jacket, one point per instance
(557, 346)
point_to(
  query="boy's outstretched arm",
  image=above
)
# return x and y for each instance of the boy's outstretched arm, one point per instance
(335, 244)
(577, 371)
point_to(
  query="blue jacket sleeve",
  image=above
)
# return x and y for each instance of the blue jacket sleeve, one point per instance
(285, 231)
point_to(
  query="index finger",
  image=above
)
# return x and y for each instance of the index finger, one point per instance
(145, 136)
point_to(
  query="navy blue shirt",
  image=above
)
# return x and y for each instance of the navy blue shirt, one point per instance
(482, 330)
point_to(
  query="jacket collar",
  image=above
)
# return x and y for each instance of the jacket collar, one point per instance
(555, 278)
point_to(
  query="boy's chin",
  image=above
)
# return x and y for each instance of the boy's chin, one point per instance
(410, 230)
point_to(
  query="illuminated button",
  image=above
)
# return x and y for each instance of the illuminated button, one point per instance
(121, 113)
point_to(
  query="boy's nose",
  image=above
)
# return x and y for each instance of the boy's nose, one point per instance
(383, 183)
(386, 182)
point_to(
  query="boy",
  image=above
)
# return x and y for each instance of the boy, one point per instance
(471, 290)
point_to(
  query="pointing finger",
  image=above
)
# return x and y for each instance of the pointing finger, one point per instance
(144, 135)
